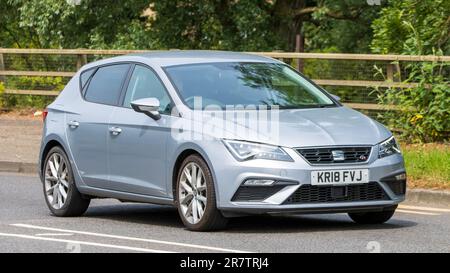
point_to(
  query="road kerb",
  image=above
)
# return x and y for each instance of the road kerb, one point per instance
(428, 197)
(18, 167)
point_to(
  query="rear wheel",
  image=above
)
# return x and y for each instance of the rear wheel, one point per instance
(196, 198)
(61, 194)
(378, 217)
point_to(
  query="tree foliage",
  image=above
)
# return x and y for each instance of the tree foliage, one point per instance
(202, 24)
(239, 25)
(323, 25)
(263, 25)
(417, 28)
(424, 111)
(413, 27)
(91, 24)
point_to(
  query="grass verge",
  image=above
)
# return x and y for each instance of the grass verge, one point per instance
(427, 165)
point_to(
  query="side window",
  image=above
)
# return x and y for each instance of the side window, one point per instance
(145, 84)
(106, 84)
(85, 75)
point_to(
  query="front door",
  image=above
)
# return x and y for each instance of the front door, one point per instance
(137, 143)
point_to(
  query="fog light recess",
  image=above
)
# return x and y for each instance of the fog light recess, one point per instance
(259, 182)
(401, 176)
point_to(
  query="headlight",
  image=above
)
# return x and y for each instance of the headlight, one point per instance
(243, 150)
(388, 147)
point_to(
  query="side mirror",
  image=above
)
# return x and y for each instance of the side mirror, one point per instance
(148, 106)
(336, 97)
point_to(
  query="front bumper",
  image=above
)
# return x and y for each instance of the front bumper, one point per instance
(310, 209)
(230, 174)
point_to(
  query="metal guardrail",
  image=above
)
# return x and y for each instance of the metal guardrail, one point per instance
(82, 55)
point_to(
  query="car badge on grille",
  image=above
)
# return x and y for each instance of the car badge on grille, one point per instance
(363, 158)
(338, 155)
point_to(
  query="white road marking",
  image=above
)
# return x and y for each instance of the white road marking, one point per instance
(416, 212)
(423, 208)
(23, 236)
(53, 234)
(131, 238)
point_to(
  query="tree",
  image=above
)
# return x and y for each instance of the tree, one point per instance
(256, 24)
(413, 27)
(90, 23)
(200, 24)
(324, 18)
(203, 24)
(328, 34)
(11, 33)
(417, 28)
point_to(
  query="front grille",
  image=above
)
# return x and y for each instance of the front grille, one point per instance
(255, 193)
(325, 155)
(306, 194)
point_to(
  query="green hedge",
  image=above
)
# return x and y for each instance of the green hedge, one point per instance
(32, 83)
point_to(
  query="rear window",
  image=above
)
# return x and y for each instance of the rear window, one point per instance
(106, 84)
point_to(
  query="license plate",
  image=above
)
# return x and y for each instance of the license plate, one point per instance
(340, 177)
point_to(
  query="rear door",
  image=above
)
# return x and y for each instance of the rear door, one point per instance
(87, 124)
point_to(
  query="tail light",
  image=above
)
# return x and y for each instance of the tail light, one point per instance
(44, 114)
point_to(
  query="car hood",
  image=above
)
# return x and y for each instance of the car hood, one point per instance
(304, 127)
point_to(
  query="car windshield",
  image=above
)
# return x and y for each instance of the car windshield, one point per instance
(245, 84)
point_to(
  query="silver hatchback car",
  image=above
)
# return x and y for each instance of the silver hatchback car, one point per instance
(218, 135)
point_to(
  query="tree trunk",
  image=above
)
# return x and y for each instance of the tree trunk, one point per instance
(287, 25)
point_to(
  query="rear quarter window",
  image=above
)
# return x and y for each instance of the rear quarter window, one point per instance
(106, 84)
(84, 77)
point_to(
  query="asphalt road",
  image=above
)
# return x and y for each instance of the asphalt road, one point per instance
(110, 226)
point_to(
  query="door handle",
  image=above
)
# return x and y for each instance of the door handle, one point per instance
(73, 124)
(115, 130)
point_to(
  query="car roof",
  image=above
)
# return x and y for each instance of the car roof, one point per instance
(180, 57)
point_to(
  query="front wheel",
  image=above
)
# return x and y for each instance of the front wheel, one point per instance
(371, 218)
(196, 198)
(61, 194)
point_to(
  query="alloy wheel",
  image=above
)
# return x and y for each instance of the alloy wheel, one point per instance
(192, 193)
(56, 180)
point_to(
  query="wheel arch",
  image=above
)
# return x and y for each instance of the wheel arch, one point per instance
(47, 144)
(182, 155)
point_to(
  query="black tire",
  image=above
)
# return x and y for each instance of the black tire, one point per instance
(372, 218)
(75, 204)
(212, 218)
